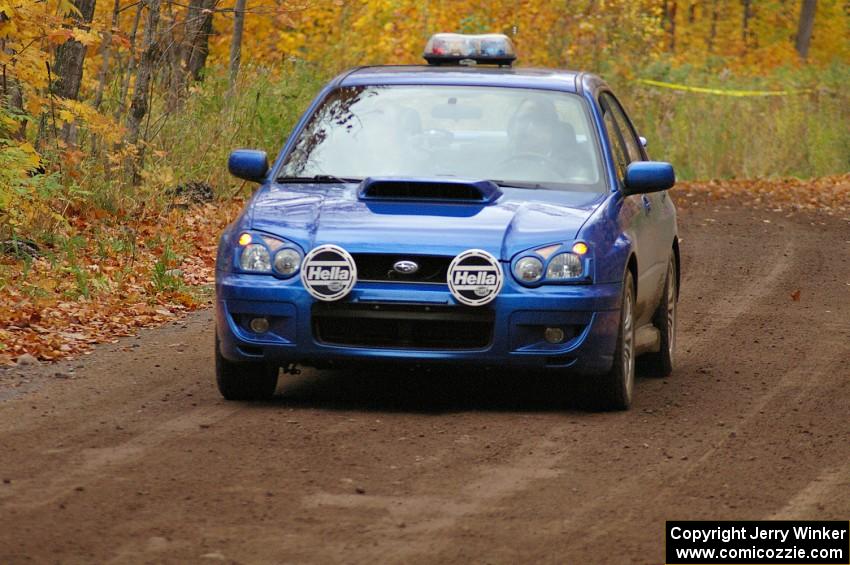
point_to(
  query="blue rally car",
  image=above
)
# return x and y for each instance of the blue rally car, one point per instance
(460, 212)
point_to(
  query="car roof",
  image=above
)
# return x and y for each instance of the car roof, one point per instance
(459, 75)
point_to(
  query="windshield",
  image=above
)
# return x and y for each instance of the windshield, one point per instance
(516, 137)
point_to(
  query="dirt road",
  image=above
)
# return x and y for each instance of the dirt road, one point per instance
(134, 457)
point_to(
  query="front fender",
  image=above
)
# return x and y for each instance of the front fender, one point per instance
(612, 240)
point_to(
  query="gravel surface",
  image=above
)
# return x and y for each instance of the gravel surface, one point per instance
(129, 455)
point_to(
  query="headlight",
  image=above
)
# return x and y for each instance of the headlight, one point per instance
(287, 261)
(255, 257)
(529, 269)
(564, 266)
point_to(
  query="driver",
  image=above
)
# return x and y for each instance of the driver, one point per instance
(542, 146)
(534, 128)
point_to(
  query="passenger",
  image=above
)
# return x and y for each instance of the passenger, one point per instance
(389, 135)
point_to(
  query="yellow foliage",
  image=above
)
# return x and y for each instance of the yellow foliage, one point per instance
(615, 35)
(29, 34)
(86, 37)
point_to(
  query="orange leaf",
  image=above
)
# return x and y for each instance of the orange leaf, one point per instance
(60, 35)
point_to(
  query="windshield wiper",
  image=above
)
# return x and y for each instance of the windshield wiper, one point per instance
(517, 184)
(318, 179)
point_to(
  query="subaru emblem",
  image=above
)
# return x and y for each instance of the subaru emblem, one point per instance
(405, 267)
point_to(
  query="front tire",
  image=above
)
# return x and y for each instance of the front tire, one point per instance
(244, 381)
(613, 391)
(661, 364)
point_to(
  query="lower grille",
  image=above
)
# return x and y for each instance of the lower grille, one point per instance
(402, 326)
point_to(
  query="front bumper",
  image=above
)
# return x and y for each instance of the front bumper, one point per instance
(588, 313)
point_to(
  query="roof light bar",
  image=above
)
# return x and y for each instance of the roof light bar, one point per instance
(460, 49)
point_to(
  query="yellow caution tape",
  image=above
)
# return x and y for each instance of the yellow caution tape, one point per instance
(722, 92)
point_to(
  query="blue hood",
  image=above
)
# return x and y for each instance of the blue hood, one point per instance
(314, 214)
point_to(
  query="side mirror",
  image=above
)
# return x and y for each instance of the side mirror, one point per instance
(643, 141)
(248, 164)
(649, 176)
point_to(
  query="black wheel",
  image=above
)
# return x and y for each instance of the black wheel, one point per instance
(244, 381)
(613, 391)
(661, 364)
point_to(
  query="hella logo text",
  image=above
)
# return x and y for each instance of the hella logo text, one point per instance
(315, 273)
(465, 278)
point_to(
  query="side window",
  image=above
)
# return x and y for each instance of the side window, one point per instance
(626, 148)
(629, 136)
(616, 140)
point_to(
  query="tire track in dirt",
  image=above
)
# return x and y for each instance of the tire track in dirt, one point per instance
(428, 516)
(42, 490)
(831, 486)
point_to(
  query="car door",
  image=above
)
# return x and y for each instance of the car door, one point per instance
(639, 211)
(663, 213)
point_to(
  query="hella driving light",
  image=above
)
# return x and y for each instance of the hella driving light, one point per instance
(564, 266)
(255, 258)
(529, 269)
(287, 261)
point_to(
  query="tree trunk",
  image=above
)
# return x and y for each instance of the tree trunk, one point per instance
(236, 44)
(106, 53)
(172, 55)
(70, 57)
(190, 55)
(198, 31)
(712, 32)
(131, 64)
(804, 29)
(13, 92)
(139, 105)
(747, 6)
(670, 19)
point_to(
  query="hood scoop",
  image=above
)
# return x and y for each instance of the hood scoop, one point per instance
(428, 190)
